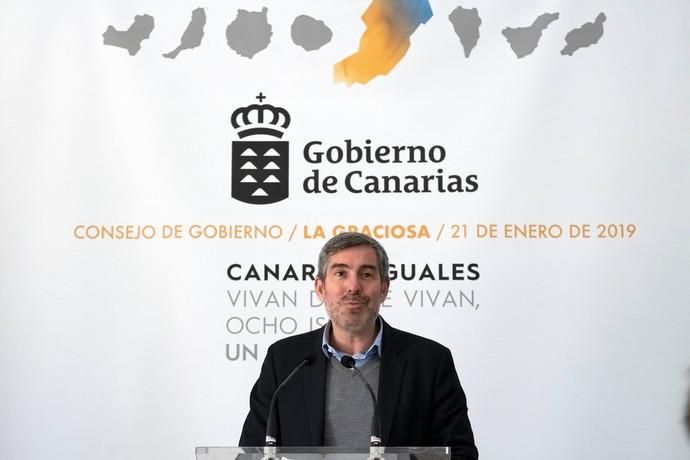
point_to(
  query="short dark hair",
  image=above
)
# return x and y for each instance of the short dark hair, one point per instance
(348, 240)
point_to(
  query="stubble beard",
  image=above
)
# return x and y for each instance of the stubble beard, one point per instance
(354, 323)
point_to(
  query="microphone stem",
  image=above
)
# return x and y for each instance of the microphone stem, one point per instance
(270, 428)
(375, 422)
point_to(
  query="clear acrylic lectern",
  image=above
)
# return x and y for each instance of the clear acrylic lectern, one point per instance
(318, 453)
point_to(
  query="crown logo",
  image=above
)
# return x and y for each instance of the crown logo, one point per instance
(260, 168)
(258, 119)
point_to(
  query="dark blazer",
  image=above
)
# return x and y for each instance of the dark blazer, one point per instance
(420, 397)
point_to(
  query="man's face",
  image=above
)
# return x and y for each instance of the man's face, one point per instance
(352, 290)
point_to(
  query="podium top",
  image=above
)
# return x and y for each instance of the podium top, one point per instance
(318, 453)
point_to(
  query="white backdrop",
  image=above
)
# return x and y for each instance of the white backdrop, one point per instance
(118, 348)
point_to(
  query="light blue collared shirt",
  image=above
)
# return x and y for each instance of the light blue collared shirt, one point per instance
(360, 358)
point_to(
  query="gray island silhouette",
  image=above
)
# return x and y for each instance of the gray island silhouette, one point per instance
(524, 40)
(309, 33)
(249, 33)
(466, 24)
(191, 38)
(584, 36)
(131, 38)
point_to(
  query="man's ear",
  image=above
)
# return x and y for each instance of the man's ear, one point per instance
(319, 288)
(385, 284)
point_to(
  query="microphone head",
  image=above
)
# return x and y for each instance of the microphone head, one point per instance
(347, 361)
(309, 359)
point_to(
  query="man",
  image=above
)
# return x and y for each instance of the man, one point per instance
(420, 398)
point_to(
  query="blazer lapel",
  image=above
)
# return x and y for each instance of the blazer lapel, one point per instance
(314, 377)
(390, 379)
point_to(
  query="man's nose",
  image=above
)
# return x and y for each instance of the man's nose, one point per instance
(353, 285)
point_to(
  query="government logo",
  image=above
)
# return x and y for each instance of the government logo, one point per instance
(260, 159)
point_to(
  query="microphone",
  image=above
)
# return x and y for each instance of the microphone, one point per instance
(270, 446)
(375, 440)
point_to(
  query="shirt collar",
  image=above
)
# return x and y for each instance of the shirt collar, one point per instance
(359, 357)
